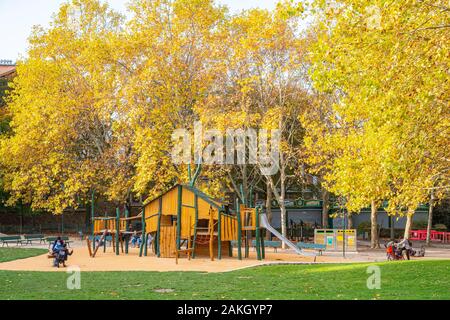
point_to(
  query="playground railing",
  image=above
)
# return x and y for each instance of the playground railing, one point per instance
(228, 227)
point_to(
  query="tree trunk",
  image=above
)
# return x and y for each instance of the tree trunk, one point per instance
(392, 228)
(325, 207)
(349, 221)
(21, 219)
(283, 222)
(268, 207)
(282, 200)
(430, 219)
(374, 241)
(280, 197)
(244, 185)
(409, 219)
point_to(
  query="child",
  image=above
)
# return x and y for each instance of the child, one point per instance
(61, 256)
(135, 240)
(57, 245)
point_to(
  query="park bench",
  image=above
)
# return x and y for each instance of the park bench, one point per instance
(29, 238)
(269, 244)
(11, 239)
(312, 246)
(50, 240)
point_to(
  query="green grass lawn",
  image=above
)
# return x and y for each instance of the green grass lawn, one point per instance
(399, 280)
(10, 254)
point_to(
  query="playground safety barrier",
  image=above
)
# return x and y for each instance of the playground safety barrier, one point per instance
(333, 239)
(436, 236)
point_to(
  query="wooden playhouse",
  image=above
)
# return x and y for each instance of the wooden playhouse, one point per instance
(183, 220)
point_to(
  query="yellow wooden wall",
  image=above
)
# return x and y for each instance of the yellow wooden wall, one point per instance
(170, 203)
(204, 208)
(170, 208)
(188, 197)
(151, 210)
(151, 225)
(187, 222)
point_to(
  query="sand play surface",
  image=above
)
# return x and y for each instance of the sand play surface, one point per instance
(110, 262)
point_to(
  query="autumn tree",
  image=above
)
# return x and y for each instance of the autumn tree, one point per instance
(64, 141)
(171, 50)
(264, 87)
(386, 63)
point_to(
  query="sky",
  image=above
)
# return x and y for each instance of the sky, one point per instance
(17, 17)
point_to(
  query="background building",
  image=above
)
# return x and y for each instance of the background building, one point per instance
(7, 73)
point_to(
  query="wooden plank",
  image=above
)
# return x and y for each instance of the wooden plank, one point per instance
(168, 241)
(89, 246)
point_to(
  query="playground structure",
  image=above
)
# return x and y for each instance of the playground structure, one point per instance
(185, 220)
(115, 227)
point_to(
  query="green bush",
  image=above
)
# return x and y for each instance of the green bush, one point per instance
(421, 224)
(386, 233)
(440, 227)
(363, 227)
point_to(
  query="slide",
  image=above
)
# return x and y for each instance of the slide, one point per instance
(264, 222)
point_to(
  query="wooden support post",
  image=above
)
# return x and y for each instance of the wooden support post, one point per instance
(219, 234)
(141, 248)
(257, 235)
(239, 230)
(263, 249)
(158, 234)
(211, 234)
(195, 226)
(117, 230)
(93, 218)
(89, 246)
(179, 208)
(127, 225)
(145, 244)
(113, 240)
(144, 232)
(247, 243)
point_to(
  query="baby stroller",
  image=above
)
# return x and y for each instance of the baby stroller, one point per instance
(393, 252)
